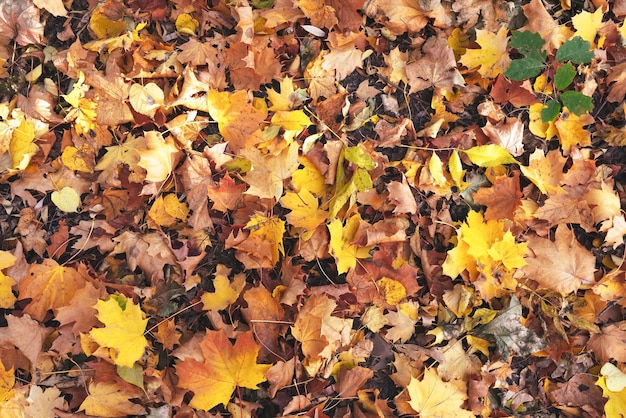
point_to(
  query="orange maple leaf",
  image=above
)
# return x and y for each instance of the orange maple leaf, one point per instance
(225, 367)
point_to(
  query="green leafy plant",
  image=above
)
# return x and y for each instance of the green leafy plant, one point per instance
(535, 61)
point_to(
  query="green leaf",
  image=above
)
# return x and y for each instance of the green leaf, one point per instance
(491, 155)
(524, 68)
(575, 50)
(509, 334)
(528, 44)
(576, 102)
(552, 109)
(564, 76)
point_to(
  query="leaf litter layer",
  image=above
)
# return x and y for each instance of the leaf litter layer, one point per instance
(312, 207)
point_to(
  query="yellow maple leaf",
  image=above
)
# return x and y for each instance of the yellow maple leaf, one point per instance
(309, 177)
(287, 99)
(22, 147)
(269, 230)
(269, 171)
(157, 156)
(541, 171)
(570, 130)
(489, 253)
(225, 367)
(7, 298)
(226, 292)
(536, 124)
(492, 58)
(305, 211)
(79, 159)
(108, 399)
(237, 119)
(431, 397)
(294, 120)
(392, 290)
(166, 210)
(613, 384)
(587, 24)
(341, 247)
(123, 332)
(7, 381)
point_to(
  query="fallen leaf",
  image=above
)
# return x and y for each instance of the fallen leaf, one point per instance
(107, 399)
(123, 332)
(562, 265)
(432, 397)
(341, 247)
(50, 286)
(225, 367)
(491, 59)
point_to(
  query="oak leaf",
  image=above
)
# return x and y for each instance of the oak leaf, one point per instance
(123, 332)
(563, 265)
(431, 397)
(225, 367)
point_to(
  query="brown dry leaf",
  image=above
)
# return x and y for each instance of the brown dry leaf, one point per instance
(541, 21)
(350, 381)
(580, 391)
(26, 334)
(167, 334)
(280, 375)
(136, 246)
(562, 265)
(518, 93)
(227, 195)
(508, 134)
(398, 16)
(50, 286)
(266, 317)
(20, 20)
(270, 171)
(501, 199)
(610, 343)
(80, 311)
(320, 14)
(436, 68)
(564, 207)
